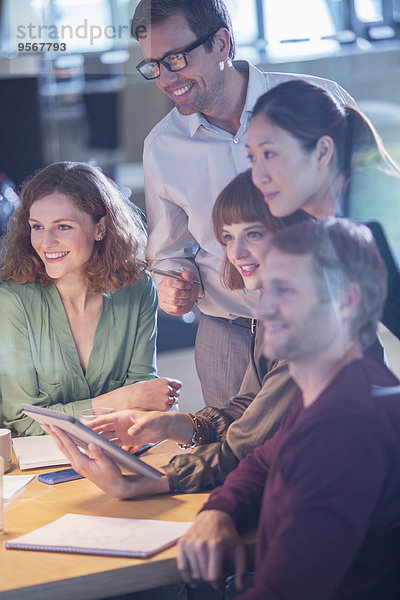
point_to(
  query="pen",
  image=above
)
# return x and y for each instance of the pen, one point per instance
(166, 274)
(144, 448)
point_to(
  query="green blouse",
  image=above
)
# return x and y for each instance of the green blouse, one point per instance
(39, 362)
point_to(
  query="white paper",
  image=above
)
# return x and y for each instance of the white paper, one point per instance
(14, 484)
(103, 535)
(37, 451)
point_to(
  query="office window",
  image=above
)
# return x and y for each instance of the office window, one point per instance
(83, 24)
(308, 31)
(244, 20)
(265, 29)
(245, 25)
(19, 22)
(339, 13)
(369, 11)
(374, 19)
(396, 11)
(289, 29)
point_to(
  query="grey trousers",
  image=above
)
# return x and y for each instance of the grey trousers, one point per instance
(222, 353)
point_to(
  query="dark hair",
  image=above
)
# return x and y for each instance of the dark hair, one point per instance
(342, 252)
(203, 17)
(117, 260)
(241, 201)
(308, 111)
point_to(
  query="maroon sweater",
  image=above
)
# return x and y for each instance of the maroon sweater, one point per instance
(325, 494)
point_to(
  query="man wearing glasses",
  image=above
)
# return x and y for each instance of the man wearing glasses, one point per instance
(189, 157)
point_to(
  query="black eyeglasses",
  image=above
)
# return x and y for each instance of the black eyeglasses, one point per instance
(173, 61)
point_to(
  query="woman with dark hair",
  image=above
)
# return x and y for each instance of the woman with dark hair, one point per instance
(78, 309)
(303, 147)
(309, 152)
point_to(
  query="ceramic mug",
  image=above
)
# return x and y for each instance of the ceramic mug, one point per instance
(5, 448)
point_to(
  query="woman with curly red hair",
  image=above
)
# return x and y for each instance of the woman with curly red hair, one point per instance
(78, 309)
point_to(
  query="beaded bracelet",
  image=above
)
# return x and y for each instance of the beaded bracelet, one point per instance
(196, 437)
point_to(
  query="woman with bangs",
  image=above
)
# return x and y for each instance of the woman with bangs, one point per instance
(242, 223)
(78, 309)
(220, 438)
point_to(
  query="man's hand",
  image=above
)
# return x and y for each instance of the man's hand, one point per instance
(104, 472)
(202, 551)
(177, 297)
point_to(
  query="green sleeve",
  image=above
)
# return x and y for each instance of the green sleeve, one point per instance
(18, 377)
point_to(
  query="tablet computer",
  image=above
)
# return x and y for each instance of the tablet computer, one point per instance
(83, 436)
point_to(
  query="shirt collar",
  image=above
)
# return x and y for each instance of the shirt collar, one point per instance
(195, 121)
(255, 87)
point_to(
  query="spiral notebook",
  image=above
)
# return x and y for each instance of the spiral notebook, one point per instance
(87, 534)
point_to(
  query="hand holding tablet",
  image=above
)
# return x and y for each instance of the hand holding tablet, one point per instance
(82, 436)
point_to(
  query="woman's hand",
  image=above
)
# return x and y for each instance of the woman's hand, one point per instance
(155, 394)
(135, 428)
(114, 427)
(104, 472)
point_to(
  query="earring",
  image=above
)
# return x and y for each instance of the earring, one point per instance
(221, 65)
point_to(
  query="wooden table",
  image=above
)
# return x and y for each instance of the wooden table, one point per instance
(29, 575)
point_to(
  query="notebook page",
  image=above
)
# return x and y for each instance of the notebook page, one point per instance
(14, 484)
(103, 535)
(37, 451)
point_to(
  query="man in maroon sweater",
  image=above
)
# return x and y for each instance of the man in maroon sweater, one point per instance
(324, 492)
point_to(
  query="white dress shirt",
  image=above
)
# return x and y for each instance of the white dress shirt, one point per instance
(187, 162)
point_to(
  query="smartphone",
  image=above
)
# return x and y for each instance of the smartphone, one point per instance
(59, 476)
(71, 474)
